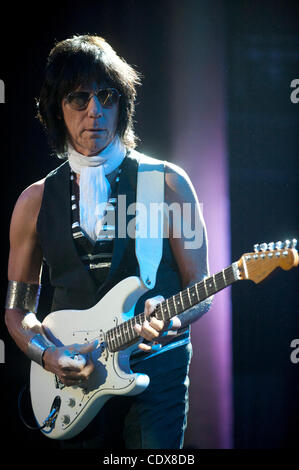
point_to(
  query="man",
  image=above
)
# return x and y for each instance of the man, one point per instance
(86, 105)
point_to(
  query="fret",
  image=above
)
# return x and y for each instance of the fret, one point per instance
(220, 281)
(174, 304)
(116, 338)
(179, 303)
(181, 297)
(128, 332)
(205, 288)
(189, 296)
(119, 335)
(117, 343)
(113, 340)
(163, 309)
(132, 331)
(122, 333)
(224, 277)
(169, 310)
(107, 339)
(125, 332)
(194, 295)
(210, 288)
(196, 288)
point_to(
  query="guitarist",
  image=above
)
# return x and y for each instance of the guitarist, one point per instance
(86, 106)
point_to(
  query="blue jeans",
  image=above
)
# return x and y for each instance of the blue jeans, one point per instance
(155, 419)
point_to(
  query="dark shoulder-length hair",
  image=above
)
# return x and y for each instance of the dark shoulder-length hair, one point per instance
(78, 61)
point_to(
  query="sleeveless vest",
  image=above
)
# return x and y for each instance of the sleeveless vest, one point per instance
(74, 288)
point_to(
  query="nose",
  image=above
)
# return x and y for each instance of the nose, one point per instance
(95, 108)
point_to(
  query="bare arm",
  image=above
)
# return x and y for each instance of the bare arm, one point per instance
(25, 260)
(190, 249)
(188, 240)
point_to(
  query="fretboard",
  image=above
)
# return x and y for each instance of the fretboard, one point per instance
(119, 336)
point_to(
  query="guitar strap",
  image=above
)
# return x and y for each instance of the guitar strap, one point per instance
(149, 218)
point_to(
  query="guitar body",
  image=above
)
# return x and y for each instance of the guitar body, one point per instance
(112, 375)
(113, 317)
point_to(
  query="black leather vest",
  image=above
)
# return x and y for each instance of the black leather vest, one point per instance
(74, 288)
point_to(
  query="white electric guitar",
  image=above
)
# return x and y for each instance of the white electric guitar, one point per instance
(64, 411)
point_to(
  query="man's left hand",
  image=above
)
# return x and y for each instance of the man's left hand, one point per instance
(154, 330)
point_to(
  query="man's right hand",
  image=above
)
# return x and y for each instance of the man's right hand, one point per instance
(72, 364)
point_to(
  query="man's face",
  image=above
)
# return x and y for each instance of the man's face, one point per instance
(92, 129)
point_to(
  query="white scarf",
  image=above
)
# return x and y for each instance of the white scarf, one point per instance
(94, 186)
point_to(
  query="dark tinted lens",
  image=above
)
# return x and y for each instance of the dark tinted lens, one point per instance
(108, 97)
(78, 99)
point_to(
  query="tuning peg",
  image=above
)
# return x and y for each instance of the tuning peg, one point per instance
(271, 246)
(287, 244)
(278, 245)
(294, 243)
(263, 246)
(256, 247)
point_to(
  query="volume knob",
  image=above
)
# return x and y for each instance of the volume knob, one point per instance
(65, 419)
(71, 402)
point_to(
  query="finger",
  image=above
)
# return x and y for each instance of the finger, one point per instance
(88, 369)
(69, 380)
(137, 328)
(86, 348)
(76, 362)
(144, 347)
(146, 331)
(154, 346)
(157, 324)
(151, 304)
(73, 378)
(142, 332)
(75, 383)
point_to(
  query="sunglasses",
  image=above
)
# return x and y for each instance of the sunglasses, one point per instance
(79, 100)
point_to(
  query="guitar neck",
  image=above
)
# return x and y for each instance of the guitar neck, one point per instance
(124, 334)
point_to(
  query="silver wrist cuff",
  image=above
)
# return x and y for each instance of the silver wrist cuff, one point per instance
(23, 295)
(36, 348)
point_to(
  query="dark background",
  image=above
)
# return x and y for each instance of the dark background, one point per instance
(262, 54)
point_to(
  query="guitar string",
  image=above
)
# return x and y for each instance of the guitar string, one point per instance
(122, 334)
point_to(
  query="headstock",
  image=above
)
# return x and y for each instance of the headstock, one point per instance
(266, 257)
